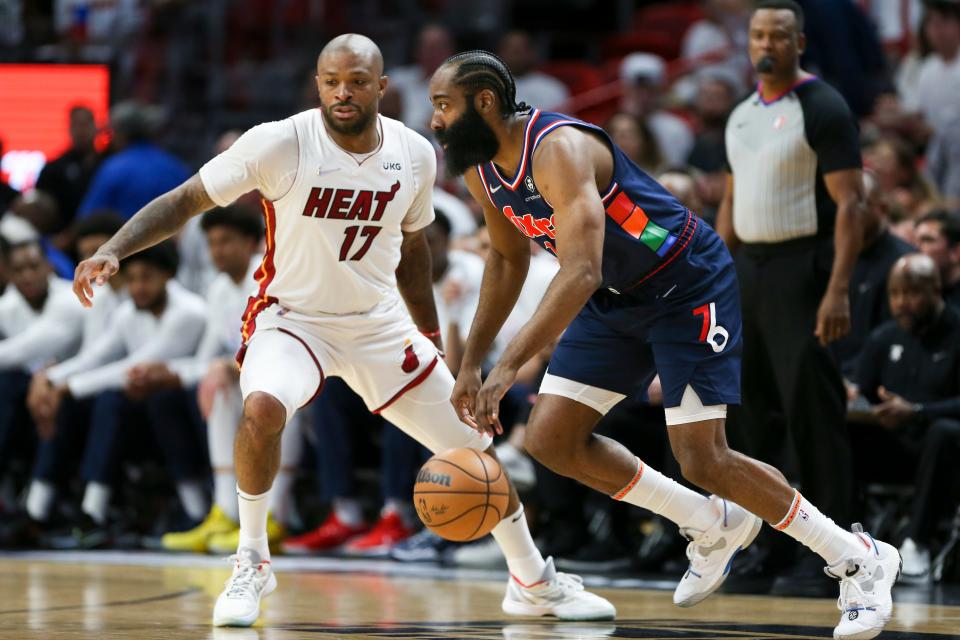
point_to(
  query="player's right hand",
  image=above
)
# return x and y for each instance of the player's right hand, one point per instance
(464, 396)
(96, 269)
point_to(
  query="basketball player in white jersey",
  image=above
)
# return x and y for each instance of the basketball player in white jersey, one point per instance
(344, 289)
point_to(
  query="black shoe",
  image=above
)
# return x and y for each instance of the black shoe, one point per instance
(805, 579)
(85, 533)
(606, 554)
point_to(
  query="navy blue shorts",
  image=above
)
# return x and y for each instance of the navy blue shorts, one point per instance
(683, 323)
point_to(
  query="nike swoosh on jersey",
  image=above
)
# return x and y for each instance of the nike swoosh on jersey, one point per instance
(496, 188)
(322, 172)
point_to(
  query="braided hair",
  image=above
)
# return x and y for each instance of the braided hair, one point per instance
(478, 70)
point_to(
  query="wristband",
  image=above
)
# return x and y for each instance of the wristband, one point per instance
(431, 334)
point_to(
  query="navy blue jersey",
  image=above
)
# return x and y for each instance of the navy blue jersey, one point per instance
(646, 227)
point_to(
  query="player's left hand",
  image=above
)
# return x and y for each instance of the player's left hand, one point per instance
(488, 399)
(833, 317)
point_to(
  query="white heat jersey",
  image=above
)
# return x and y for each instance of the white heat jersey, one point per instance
(334, 220)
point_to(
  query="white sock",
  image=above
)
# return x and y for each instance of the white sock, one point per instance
(40, 499)
(192, 499)
(221, 432)
(524, 561)
(805, 524)
(348, 511)
(253, 522)
(225, 492)
(96, 500)
(652, 490)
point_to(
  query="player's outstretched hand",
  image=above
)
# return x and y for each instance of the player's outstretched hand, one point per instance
(464, 396)
(488, 400)
(96, 269)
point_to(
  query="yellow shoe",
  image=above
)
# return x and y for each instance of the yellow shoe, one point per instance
(216, 523)
(228, 541)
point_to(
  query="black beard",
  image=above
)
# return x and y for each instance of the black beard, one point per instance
(764, 65)
(467, 142)
(356, 128)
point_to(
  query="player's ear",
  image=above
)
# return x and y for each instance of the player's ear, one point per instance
(801, 42)
(484, 100)
(384, 81)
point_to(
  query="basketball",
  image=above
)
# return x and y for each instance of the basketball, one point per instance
(461, 494)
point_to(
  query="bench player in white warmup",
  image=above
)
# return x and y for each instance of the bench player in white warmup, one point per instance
(347, 194)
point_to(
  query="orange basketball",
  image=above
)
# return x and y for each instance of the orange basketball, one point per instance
(461, 494)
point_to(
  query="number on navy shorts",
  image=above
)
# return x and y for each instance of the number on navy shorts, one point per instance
(711, 331)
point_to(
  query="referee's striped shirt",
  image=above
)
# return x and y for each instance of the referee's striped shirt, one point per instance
(779, 151)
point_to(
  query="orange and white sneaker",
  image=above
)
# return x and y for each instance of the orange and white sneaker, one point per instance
(252, 579)
(865, 601)
(331, 533)
(388, 531)
(556, 594)
(711, 552)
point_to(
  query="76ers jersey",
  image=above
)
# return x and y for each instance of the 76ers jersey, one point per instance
(334, 220)
(646, 227)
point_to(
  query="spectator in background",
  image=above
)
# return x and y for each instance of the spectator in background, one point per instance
(233, 235)
(36, 300)
(943, 163)
(32, 216)
(644, 79)
(894, 163)
(937, 94)
(159, 320)
(910, 371)
(717, 93)
(517, 50)
(67, 177)
(54, 462)
(434, 45)
(719, 41)
(139, 171)
(633, 135)
(938, 236)
(868, 284)
(681, 183)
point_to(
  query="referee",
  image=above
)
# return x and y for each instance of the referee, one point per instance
(792, 214)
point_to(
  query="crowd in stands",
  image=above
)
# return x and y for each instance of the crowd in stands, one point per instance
(117, 422)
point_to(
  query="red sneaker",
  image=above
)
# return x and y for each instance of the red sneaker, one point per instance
(388, 531)
(331, 533)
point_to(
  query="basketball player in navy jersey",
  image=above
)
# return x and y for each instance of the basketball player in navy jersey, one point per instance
(644, 287)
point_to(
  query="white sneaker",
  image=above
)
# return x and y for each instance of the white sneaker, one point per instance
(252, 579)
(556, 594)
(865, 583)
(916, 562)
(711, 552)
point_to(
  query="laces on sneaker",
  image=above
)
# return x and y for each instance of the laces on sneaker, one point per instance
(697, 539)
(240, 583)
(564, 584)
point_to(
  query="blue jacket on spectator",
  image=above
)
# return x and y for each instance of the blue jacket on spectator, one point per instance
(133, 177)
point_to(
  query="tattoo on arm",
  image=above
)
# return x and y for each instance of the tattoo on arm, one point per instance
(160, 219)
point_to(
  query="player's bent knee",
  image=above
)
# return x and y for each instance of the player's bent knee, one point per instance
(263, 413)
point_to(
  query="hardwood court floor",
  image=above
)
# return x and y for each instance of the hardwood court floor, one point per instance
(171, 598)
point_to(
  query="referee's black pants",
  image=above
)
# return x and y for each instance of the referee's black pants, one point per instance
(787, 376)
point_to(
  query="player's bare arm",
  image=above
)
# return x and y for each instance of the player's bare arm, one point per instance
(846, 189)
(569, 164)
(725, 216)
(503, 276)
(155, 222)
(414, 283)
